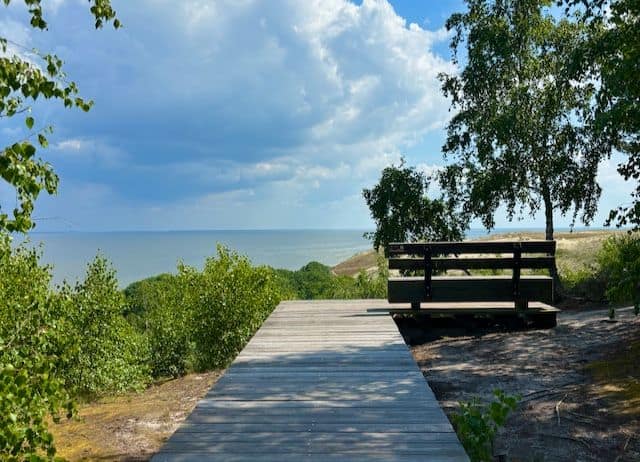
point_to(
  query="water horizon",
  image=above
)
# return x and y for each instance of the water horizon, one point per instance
(140, 254)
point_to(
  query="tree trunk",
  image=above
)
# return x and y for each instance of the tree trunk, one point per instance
(548, 235)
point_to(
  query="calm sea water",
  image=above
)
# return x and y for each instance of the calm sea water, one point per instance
(137, 255)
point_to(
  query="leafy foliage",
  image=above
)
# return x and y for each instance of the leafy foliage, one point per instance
(30, 389)
(201, 319)
(521, 135)
(56, 344)
(227, 301)
(155, 308)
(373, 285)
(402, 211)
(619, 261)
(610, 54)
(25, 77)
(477, 424)
(316, 281)
(588, 283)
(106, 354)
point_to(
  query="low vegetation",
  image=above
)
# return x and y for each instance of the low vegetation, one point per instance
(477, 423)
(69, 344)
(79, 343)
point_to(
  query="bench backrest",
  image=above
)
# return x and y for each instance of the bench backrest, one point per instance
(438, 256)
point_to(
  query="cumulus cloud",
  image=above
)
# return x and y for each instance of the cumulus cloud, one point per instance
(202, 98)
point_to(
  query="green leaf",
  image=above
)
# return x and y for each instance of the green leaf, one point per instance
(43, 140)
(29, 121)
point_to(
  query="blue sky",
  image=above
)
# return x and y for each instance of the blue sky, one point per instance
(236, 114)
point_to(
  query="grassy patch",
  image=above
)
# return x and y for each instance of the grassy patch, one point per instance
(617, 378)
(131, 426)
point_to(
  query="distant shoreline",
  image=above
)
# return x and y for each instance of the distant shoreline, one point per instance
(367, 260)
(472, 231)
(137, 255)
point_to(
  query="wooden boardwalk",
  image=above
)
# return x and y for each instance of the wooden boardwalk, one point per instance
(320, 381)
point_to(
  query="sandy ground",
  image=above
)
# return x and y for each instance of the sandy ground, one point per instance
(131, 427)
(579, 383)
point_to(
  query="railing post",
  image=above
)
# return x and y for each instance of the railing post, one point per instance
(520, 304)
(428, 270)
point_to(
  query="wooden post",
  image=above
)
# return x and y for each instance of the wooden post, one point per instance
(428, 269)
(517, 263)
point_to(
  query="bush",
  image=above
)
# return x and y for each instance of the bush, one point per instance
(227, 302)
(477, 424)
(619, 260)
(157, 309)
(586, 283)
(30, 355)
(317, 281)
(141, 296)
(373, 285)
(106, 354)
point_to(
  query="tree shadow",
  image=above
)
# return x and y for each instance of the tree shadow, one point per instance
(565, 413)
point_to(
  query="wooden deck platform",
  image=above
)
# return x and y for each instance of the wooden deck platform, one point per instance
(320, 381)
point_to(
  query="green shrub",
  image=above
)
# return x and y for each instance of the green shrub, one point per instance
(477, 424)
(373, 285)
(141, 296)
(30, 354)
(619, 260)
(317, 281)
(587, 283)
(105, 352)
(166, 323)
(227, 302)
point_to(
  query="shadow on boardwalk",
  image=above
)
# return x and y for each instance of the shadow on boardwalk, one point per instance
(319, 381)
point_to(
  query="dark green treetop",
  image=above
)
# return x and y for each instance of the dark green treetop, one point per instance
(521, 135)
(402, 211)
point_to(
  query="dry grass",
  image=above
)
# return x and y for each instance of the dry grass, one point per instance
(352, 266)
(575, 251)
(617, 377)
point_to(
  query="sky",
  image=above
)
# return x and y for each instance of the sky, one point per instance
(242, 114)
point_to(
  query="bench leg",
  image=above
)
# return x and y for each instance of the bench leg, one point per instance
(415, 305)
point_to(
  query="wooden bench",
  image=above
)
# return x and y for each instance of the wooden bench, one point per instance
(528, 296)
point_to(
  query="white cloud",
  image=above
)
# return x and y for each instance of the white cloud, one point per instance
(71, 145)
(327, 77)
(301, 102)
(88, 150)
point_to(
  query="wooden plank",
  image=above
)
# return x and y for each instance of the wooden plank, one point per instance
(380, 456)
(364, 446)
(469, 289)
(447, 248)
(315, 418)
(327, 380)
(265, 403)
(313, 438)
(346, 427)
(443, 264)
